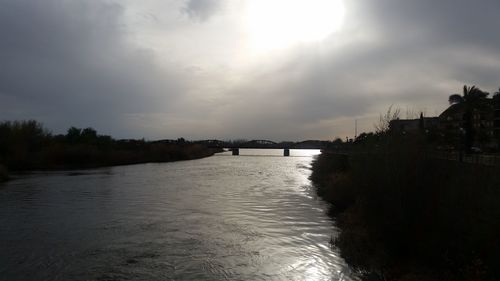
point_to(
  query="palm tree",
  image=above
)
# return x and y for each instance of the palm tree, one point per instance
(496, 95)
(496, 107)
(471, 98)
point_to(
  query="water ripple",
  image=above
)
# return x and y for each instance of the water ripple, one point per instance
(220, 218)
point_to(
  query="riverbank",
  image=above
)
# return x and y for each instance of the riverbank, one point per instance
(90, 157)
(4, 175)
(26, 145)
(122, 158)
(405, 216)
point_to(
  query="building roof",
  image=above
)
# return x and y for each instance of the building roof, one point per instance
(453, 109)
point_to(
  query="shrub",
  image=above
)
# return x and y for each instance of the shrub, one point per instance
(397, 207)
(3, 173)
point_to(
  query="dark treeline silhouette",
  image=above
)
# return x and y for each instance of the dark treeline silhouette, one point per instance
(405, 214)
(27, 145)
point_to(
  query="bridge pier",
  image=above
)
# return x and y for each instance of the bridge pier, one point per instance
(236, 151)
(286, 152)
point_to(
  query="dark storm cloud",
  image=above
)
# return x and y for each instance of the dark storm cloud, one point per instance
(67, 63)
(201, 9)
(456, 38)
(440, 22)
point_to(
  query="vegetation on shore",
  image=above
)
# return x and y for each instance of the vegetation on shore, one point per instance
(4, 175)
(405, 215)
(27, 145)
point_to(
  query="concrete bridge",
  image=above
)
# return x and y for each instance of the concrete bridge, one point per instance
(235, 146)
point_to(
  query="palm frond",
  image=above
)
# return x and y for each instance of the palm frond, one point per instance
(467, 91)
(455, 98)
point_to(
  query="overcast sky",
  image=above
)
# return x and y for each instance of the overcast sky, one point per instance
(223, 69)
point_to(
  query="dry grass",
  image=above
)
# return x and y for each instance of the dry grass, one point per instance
(4, 175)
(401, 212)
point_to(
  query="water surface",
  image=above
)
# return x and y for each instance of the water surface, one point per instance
(219, 218)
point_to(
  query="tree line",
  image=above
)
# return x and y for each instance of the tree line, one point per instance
(27, 145)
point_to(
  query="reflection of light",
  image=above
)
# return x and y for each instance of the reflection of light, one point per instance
(305, 152)
(313, 273)
(275, 152)
(276, 24)
(311, 270)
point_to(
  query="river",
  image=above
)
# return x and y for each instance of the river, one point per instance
(248, 217)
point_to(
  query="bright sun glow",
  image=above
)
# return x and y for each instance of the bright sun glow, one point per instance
(274, 24)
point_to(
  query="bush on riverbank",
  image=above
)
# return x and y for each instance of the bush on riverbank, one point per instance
(4, 175)
(412, 217)
(26, 145)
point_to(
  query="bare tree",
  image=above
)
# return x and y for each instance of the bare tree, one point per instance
(384, 121)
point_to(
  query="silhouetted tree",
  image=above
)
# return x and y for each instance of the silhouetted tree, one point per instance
(496, 104)
(338, 141)
(88, 135)
(421, 123)
(19, 141)
(385, 120)
(365, 138)
(73, 135)
(26, 145)
(496, 96)
(471, 98)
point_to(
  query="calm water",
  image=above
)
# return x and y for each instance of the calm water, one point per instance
(219, 218)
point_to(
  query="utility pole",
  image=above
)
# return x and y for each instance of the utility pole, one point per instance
(355, 128)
